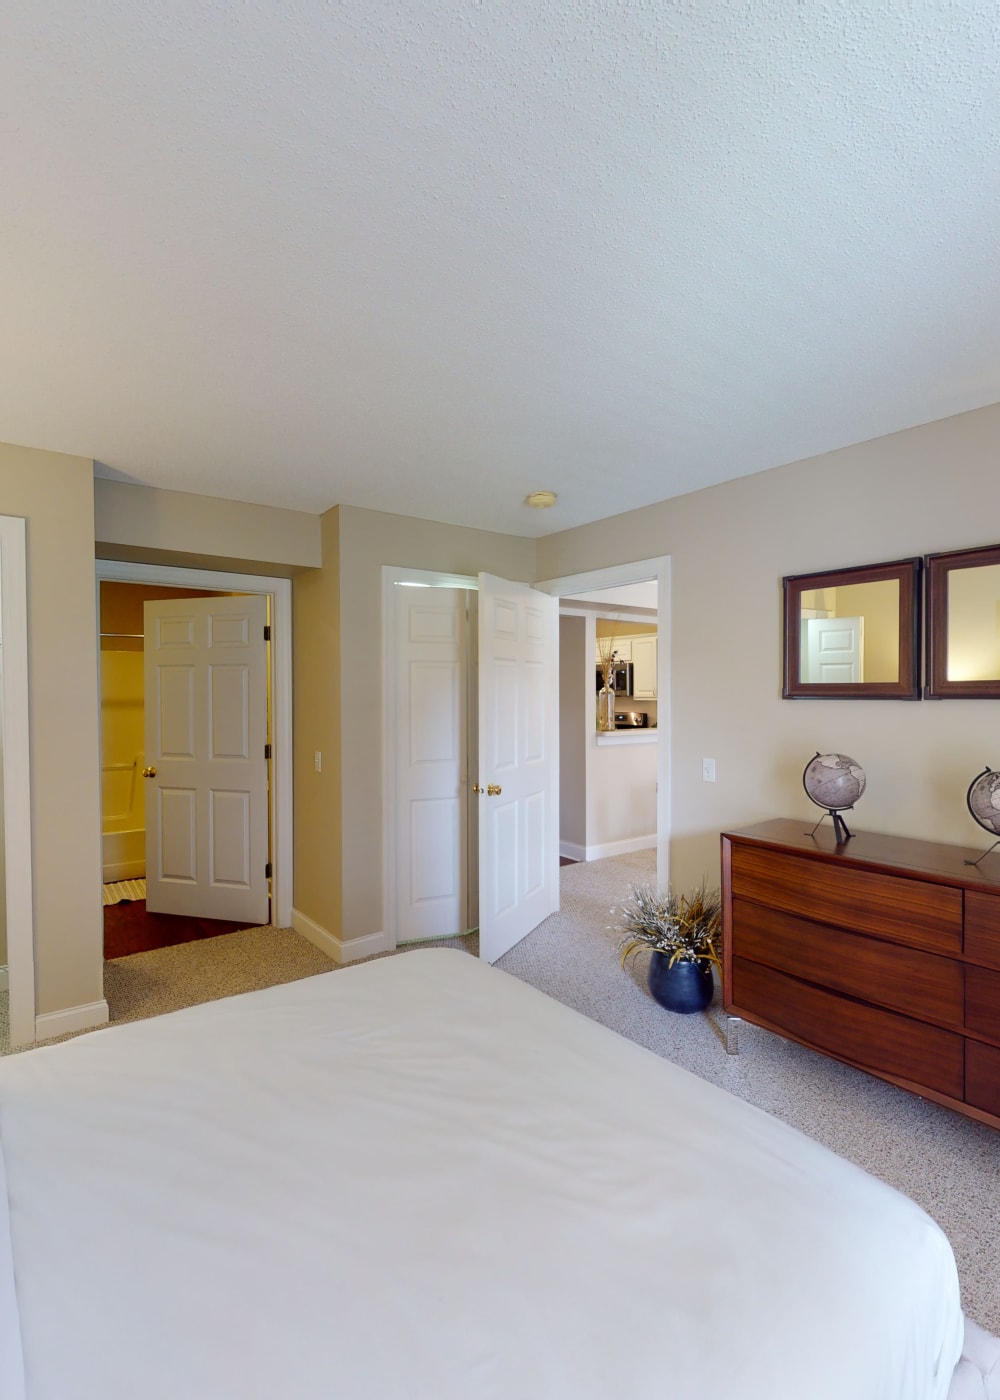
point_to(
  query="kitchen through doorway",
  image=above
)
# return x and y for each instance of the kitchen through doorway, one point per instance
(615, 783)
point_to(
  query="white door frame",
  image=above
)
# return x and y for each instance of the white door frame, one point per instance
(16, 795)
(279, 590)
(418, 578)
(641, 571)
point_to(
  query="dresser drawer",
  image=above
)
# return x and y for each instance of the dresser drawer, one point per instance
(982, 927)
(982, 1001)
(879, 1040)
(982, 1076)
(915, 912)
(902, 979)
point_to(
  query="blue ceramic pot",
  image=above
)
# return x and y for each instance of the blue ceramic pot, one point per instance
(685, 987)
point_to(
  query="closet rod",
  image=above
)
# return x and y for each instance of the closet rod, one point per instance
(132, 636)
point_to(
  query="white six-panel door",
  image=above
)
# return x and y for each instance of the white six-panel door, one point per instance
(518, 762)
(834, 650)
(205, 731)
(431, 758)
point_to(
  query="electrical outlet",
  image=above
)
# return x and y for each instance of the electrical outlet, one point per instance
(708, 770)
(318, 761)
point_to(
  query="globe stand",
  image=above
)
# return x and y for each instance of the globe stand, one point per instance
(834, 782)
(987, 823)
(983, 856)
(840, 830)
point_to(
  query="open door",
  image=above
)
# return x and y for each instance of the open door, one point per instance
(518, 762)
(206, 771)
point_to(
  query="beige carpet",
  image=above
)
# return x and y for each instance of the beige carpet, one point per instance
(149, 984)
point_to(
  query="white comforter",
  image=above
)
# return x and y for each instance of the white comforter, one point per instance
(422, 1178)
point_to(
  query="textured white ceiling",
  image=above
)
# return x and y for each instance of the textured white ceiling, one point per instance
(427, 257)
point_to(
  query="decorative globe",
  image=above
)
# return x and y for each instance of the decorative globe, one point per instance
(983, 799)
(834, 781)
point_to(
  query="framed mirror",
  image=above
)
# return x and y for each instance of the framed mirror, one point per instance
(963, 624)
(854, 634)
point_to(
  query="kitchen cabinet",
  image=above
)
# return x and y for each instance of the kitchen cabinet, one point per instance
(623, 647)
(644, 667)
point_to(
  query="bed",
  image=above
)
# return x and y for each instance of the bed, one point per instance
(422, 1178)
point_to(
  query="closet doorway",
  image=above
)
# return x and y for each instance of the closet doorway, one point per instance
(195, 758)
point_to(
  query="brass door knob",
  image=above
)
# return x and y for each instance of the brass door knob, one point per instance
(149, 772)
(494, 790)
(476, 788)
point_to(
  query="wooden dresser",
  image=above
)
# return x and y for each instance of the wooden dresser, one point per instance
(883, 952)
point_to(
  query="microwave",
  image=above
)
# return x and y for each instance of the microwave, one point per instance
(623, 678)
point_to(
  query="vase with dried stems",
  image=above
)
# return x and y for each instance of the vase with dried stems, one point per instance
(606, 695)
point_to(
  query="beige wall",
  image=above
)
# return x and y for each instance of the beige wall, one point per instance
(621, 791)
(202, 532)
(316, 633)
(55, 494)
(929, 489)
(338, 681)
(576, 724)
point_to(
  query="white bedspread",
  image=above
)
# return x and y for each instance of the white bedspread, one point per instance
(422, 1178)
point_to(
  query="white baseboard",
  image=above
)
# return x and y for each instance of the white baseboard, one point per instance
(341, 951)
(73, 1018)
(622, 848)
(572, 850)
(4, 981)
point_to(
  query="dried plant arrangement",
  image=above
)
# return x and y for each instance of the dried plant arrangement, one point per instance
(608, 655)
(686, 928)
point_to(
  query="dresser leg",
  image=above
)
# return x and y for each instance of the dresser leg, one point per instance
(733, 1035)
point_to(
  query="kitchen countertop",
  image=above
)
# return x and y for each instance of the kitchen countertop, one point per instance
(628, 736)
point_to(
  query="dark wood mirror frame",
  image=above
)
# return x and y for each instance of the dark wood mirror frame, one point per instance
(939, 567)
(907, 686)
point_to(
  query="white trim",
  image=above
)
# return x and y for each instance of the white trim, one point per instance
(622, 848)
(627, 736)
(71, 1018)
(3, 979)
(572, 851)
(115, 871)
(640, 571)
(341, 951)
(392, 575)
(280, 592)
(569, 607)
(16, 731)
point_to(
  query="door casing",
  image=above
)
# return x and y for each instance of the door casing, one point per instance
(16, 788)
(280, 592)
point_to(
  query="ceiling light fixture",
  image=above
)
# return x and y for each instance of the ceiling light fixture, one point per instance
(541, 500)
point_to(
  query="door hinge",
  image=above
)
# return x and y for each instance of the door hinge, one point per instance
(267, 633)
(267, 870)
(267, 750)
